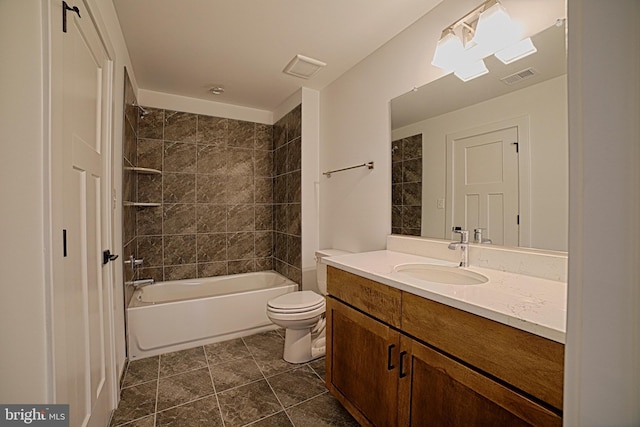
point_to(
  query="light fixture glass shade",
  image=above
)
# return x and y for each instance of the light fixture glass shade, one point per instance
(495, 29)
(517, 51)
(449, 51)
(471, 70)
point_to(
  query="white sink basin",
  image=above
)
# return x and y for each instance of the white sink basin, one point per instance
(441, 274)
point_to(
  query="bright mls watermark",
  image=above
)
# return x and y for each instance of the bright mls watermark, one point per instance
(34, 415)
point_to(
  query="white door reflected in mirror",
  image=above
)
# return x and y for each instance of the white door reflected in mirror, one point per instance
(485, 184)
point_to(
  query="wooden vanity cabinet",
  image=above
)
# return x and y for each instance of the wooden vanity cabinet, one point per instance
(362, 375)
(435, 390)
(385, 376)
(527, 362)
(363, 350)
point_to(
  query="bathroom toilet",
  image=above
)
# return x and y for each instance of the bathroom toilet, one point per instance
(301, 314)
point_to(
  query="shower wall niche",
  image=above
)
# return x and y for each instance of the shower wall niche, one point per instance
(129, 188)
(220, 204)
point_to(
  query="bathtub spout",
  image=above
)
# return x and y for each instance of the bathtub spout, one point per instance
(140, 283)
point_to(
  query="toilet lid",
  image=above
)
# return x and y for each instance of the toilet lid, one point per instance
(296, 301)
(305, 309)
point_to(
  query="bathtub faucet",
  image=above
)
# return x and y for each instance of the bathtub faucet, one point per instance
(140, 283)
(132, 262)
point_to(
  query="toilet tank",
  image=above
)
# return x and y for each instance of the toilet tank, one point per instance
(321, 269)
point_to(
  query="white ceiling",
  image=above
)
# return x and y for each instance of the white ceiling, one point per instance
(184, 47)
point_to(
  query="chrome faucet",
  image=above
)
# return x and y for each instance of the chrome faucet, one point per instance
(463, 244)
(132, 262)
(477, 236)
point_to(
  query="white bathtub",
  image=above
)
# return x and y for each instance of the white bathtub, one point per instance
(176, 315)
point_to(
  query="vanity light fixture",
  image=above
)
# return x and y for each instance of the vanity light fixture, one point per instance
(486, 30)
(494, 29)
(448, 51)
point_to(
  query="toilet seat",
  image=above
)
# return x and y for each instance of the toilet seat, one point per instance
(294, 306)
(321, 304)
(303, 316)
(296, 302)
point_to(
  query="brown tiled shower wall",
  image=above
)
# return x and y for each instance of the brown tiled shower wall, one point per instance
(406, 187)
(287, 167)
(225, 206)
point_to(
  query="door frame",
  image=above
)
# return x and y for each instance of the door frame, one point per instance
(53, 185)
(521, 123)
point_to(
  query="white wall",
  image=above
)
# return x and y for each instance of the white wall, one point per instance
(355, 122)
(310, 185)
(545, 106)
(24, 362)
(602, 358)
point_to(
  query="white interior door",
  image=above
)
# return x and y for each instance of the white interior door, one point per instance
(485, 185)
(87, 354)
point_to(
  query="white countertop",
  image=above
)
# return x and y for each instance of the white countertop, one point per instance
(528, 303)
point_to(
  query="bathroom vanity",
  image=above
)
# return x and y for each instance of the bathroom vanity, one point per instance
(404, 352)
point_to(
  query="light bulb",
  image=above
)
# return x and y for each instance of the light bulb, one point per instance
(495, 29)
(449, 51)
(517, 51)
(469, 71)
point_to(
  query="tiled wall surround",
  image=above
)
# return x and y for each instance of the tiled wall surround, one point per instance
(216, 196)
(215, 193)
(287, 137)
(406, 187)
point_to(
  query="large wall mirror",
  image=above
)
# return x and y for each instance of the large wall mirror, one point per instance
(490, 153)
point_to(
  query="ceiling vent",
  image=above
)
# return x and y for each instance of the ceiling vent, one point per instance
(303, 67)
(519, 76)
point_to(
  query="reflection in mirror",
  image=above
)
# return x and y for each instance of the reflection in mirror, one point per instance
(489, 154)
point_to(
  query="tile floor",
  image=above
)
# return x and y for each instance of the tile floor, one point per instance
(239, 382)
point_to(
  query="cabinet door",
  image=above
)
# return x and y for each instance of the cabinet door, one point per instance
(435, 390)
(362, 368)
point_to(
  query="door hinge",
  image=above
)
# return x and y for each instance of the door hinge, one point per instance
(65, 8)
(518, 219)
(517, 144)
(64, 243)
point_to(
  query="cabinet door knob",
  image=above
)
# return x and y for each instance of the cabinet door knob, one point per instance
(401, 372)
(389, 358)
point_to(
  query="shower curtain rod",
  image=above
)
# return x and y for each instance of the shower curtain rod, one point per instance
(369, 165)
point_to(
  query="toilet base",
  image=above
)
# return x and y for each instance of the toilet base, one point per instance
(302, 346)
(297, 345)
